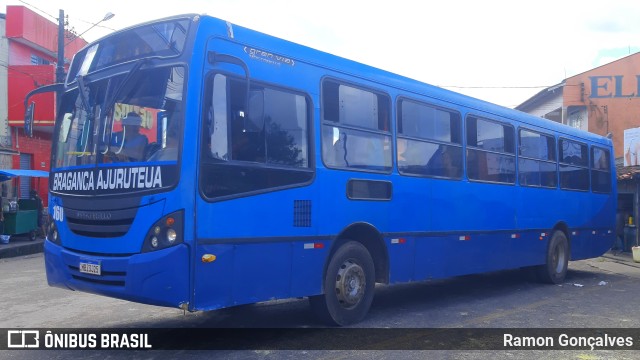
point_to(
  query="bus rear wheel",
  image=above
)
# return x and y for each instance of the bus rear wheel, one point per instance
(555, 268)
(348, 286)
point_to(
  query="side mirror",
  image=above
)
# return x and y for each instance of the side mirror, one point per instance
(28, 119)
(30, 109)
(254, 121)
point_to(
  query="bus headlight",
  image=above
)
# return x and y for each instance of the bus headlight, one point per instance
(171, 236)
(52, 233)
(166, 232)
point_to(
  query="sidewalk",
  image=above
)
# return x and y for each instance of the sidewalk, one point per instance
(20, 245)
(625, 258)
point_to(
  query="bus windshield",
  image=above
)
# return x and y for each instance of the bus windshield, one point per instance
(160, 40)
(121, 120)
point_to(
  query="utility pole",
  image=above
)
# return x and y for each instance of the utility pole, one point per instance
(60, 67)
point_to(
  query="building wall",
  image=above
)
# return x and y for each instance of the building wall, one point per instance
(24, 78)
(20, 54)
(40, 147)
(25, 33)
(4, 69)
(25, 25)
(543, 108)
(5, 138)
(610, 95)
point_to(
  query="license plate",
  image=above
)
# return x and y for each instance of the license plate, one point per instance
(92, 268)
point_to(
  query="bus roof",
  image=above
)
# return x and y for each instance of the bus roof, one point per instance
(336, 63)
(308, 55)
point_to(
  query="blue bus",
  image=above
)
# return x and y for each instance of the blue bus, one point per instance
(200, 165)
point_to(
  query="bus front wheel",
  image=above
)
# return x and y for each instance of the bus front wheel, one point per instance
(555, 268)
(348, 286)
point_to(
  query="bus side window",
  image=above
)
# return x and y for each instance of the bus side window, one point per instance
(355, 127)
(340, 149)
(452, 161)
(217, 119)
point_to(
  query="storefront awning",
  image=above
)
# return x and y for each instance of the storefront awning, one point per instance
(7, 174)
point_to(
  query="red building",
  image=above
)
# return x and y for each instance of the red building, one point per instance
(29, 49)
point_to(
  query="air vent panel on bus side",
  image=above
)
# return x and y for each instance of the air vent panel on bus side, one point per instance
(302, 213)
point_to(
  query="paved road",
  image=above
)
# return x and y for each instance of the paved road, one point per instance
(598, 293)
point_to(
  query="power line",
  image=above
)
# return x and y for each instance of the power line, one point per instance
(36, 81)
(494, 87)
(503, 87)
(100, 26)
(42, 11)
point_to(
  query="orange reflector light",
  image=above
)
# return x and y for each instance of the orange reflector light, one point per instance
(318, 246)
(170, 221)
(207, 258)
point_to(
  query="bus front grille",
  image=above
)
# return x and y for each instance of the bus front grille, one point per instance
(101, 224)
(99, 281)
(110, 278)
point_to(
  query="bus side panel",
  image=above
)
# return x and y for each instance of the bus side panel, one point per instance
(527, 248)
(483, 207)
(260, 253)
(242, 274)
(477, 253)
(444, 256)
(429, 260)
(308, 267)
(402, 257)
(260, 271)
(249, 273)
(535, 218)
(597, 235)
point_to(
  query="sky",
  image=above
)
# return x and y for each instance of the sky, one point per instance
(499, 51)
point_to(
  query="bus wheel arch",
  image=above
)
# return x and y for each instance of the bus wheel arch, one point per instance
(367, 235)
(554, 269)
(562, 226)
(356, 260)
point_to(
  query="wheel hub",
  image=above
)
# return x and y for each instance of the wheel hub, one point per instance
(350, 284)
(557, 259)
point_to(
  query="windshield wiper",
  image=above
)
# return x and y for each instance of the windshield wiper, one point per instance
(127, 79)
(110, 103)
(83, 94)
(86, 126)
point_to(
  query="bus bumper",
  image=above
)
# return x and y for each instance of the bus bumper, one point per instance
(155, 278)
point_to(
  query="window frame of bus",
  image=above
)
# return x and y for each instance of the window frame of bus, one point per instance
(524, 157)
(476, 148)
(207, 159)
(606, 171)
(324, 123)
(583, 167)
(401, 136)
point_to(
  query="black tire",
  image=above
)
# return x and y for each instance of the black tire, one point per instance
(349, 284)
(32, 235)
(555, 268)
